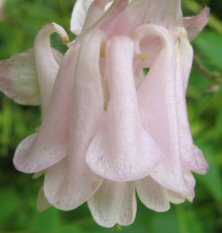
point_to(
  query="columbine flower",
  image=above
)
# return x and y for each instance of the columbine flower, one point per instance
(110, 129)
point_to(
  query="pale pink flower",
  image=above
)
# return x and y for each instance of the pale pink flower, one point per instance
(109, 130)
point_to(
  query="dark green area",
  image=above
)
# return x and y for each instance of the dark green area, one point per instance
(18, 192)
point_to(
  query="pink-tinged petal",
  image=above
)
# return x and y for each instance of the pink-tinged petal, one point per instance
(70, 183)
(201, 165)
(152, 194)
(114, 203)
(18, 78)
(122, 150)
(46, 62)
(194, 25)
(158, 104)
(164, 13)
(190, 155)
(49, 145)
(79, 13)
(123, 17)
(42, 203)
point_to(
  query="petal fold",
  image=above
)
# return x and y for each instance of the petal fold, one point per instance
(46, 62)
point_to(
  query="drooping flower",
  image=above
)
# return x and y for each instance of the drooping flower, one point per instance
(109, 129)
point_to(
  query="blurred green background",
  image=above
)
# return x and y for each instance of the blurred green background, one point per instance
(18, 192)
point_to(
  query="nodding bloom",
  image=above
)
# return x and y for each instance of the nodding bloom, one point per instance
(114, 117)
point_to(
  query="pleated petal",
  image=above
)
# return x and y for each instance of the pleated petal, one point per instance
(47, 64)
(194, 25)
(70, 183)
(114, 203)
(122, 150)
(152, 194)
(49, 145)
(18, 78)
(158, 103)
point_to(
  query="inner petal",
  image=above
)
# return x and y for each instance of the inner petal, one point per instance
(122, 150)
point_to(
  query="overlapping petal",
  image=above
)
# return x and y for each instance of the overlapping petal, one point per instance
(70, 183)
(109, 129)
(159, 109)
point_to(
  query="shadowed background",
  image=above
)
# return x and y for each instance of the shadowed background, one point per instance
(18, 192)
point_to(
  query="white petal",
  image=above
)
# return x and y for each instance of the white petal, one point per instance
(152, 194)
(175, 198)
(114, 203)
(122, 150)
(79, 15)
(18, 78)
(70, 183)
(46, 62)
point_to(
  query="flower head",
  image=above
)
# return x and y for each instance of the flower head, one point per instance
(109, 129)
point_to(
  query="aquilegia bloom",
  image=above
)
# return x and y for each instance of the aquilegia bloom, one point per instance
(114, 118)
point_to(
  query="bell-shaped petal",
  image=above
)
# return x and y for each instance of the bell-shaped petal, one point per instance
(122, 150)
(18, 79)
(159, 109)
(49, 145)
(70, 183)
(152, 194)
(194, 25)
(190, 155)
(114, 203)
(47, 64)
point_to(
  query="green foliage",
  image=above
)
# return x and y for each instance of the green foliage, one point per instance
(18, 194)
